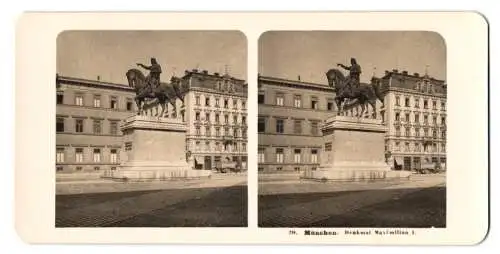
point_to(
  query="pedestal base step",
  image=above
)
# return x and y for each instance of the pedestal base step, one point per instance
(353, 175)
(156, 175)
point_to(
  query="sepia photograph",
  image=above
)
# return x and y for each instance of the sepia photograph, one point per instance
(151, 129)
(352, 129)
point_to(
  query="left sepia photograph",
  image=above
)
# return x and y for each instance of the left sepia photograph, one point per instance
(151, 129)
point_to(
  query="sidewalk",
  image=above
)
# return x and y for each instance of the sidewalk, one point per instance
(304, 214)
(106, 186)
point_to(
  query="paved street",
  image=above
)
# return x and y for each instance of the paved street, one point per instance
(418, 202)
(219, 202)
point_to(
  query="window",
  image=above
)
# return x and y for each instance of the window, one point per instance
(314, 128)
(207, 131)
(329, 105)
(261, 127)
(197, 100)
(261, 155)
(397, 100)
(280, 99)
(59, 168)
(426, 132)
(397, 117)
(207, 117)
(407, 147)
(97, 168)
(279, 155)
(59, 155)
(279, 125)
(78, 168)
(244, 132)
(297, 101)
(407, 102)
(197, 146)
(407, 132)
(217, 102)
(396, 146)
(328, 146)
(198, 131)
(78, 125)
(79, 99)
(443, 120)
(235, 103)
(261, 99)
(417, 118)
(235, 119)
(207, 101)
(244, 147)
(314, 103)
(314, 156)
(434, 133)
(113, 102)
(434, 105)
(60, 98)
(244, 120)
(297, 126)
(226, 131)
(235, 133)
(434, 147)
(443, 147)
(443, 105)
(59, 124)
(207, 146)
(243, 104)
(197, 116)
(113, 128)
(279, 168)
(97, 155)
(417, 132)
(113, 168)
(217, 146)
(417, 102)
(417, 147)
(97, 101)
(226, 119)
(97, 126)
(129, 105)
(217, 119)
(113, 158)
(79, 155)
(425, 104)
(426, 119)
(226, 103)
(407, 117)
(434, 120)
(217, 132)
(398, 131)
(296, 155)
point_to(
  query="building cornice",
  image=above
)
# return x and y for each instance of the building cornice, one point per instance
(92, 83)
(294, 84)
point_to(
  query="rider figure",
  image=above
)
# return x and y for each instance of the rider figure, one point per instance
(354, 73)
(153, 79)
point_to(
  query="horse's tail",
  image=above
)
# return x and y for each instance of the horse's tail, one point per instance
(130, 79)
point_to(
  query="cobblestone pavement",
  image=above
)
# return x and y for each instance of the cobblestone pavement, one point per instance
(169, 203)
(304, 203)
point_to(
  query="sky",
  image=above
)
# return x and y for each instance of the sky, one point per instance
(288, 54)
(109, 54)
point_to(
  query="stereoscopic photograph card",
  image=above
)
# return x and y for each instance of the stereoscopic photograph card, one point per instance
(295, 128)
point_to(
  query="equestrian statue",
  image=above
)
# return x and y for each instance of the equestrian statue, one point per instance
(351, 89)
(150, 87)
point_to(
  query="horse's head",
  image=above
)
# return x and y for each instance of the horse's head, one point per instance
(335, 78)
(135, 78)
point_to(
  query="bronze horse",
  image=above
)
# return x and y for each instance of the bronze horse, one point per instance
(165, 92)
(365, 93)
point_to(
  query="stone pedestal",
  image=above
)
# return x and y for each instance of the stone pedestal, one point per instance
(155, 149)
(353, 149)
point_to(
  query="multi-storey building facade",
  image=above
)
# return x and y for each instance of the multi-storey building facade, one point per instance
(289, 123)
(291, 113)
(416, 118)
(216, 114)
(89, 114)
